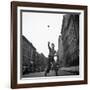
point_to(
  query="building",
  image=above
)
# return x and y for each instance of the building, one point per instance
(60, 50)
(31, 60)
(28, 55)
(40, 62)
(70, 39)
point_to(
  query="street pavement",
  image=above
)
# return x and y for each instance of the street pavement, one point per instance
(61, 72)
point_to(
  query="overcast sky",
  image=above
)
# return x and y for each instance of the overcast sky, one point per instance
(39, 28)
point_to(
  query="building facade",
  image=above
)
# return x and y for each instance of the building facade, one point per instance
(40, 62)
(70, 39)
(60, 50)
(28, 55)
(31, 60)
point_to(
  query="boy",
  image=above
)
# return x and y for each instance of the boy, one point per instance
(50, 57)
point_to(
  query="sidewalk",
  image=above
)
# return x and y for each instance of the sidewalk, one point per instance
(73, 69)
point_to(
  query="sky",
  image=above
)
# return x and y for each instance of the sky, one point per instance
(39, 28)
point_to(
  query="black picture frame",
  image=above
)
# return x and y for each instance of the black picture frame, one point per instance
(14, 48)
